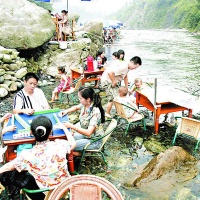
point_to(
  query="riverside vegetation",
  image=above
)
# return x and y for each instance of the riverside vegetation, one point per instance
(156, 14)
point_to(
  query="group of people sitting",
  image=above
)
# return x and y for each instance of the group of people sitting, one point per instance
(45, 165)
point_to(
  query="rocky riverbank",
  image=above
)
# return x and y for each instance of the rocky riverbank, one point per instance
(126, 153)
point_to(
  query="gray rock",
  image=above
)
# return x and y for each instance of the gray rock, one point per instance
(5, 86)
(7, 76)
(3, 92)
(173, 160)
(2, 72)
(7, 82)
(25, 25)
(13, 66)
(7, 58)
(19, 85)
(21, 73)
(1, 79)
(13, 87)
(94, 27)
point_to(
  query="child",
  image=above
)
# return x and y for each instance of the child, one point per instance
(8, 128)
(138, 86)
(64, 84)
(124, 99)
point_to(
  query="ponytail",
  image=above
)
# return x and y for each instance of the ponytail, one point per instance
(97, 103)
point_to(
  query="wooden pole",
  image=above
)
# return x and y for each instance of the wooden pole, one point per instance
(155, 97)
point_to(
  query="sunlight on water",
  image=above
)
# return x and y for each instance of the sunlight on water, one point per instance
(171, 56)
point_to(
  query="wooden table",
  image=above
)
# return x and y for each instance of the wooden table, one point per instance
(12, 144)
(76, 73)
(161, 108)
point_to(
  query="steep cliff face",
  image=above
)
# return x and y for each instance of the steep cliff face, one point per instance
(161, 14)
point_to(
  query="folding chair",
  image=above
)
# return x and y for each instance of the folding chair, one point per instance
(190, 128)
(87, 152)
(121, 114)
(72, 91)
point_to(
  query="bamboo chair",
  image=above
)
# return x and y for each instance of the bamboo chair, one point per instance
(72, 91)
(95, 152)
(121, 114)
(190, 128)
(86, 187)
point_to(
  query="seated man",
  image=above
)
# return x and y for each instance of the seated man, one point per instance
(30, 98)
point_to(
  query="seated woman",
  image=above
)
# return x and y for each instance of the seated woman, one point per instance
(124, 99)
(43, 166)
(64, 26)
(91, 117)
(64, 84)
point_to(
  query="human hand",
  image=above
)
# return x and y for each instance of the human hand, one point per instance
(6, 116)
(28, 111)
(9, 128)
(63, 113)
(68, 124)
(114, 84)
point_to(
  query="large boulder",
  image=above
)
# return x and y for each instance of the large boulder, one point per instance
(24, 25)
(171, 168)
(94, 27)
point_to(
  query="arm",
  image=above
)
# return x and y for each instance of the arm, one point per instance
(72, 109)
(87, 132)
(126, 81)
(65, 78)
(69, 136)
(7, 167)
(17, 108)
(8, 128)
(6, 116)
(112, 78)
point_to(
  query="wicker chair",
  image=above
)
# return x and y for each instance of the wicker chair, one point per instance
(94, 152)
(121, 114)
(71, 92)
(86, 187)
(190, 128)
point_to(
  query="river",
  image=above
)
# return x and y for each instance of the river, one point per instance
(171, 56)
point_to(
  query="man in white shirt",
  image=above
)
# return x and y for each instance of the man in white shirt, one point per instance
(112, 77)
(30, 98)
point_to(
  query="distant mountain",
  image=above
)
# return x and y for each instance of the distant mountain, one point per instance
(151, 14)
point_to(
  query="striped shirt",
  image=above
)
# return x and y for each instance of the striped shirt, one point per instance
(36, 101)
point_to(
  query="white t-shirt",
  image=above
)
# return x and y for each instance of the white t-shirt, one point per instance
(120, 70)
(36, 101)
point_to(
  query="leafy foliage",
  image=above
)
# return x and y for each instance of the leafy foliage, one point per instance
(161, 14)
(45, 5)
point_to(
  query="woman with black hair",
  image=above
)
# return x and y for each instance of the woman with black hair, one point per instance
(43, 166)
(91, 118)
(121, 54)
(101, 57)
